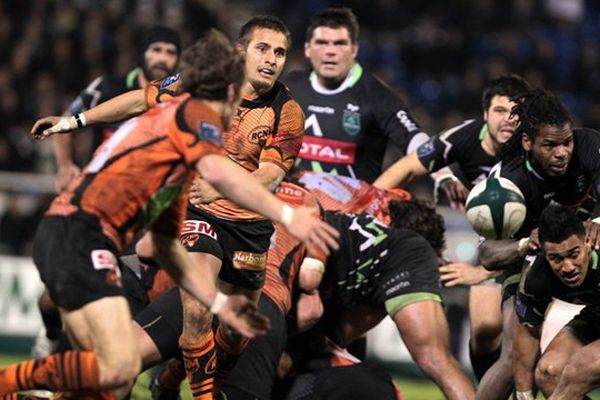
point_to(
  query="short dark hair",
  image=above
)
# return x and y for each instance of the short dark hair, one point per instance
(210, 65)
(263, 22)
(334, 17)
(421, 217)
(511, 86)
(535, 109)
(558, 223)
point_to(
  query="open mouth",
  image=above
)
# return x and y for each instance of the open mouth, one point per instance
(266, 72)
(571, 279)
(558, 168)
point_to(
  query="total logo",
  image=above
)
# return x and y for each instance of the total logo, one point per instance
(327, 150)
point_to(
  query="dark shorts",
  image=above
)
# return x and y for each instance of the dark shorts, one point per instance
(241, 246)
(586, 324)
(76, 262)
(354, 382)
(162, 320)
(409, 274)
(256, 369)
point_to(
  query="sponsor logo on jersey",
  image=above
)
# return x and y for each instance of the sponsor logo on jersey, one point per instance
(251, 261)
(327, 150)
(105, 260)
(260, 133)
(211, 133)
(406, 121)
(321, 109)
(192, 226)
(351, 119)
(425, 149)
(169, 81)
(289, 191)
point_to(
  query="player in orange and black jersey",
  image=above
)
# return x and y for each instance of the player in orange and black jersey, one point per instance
(77, 242)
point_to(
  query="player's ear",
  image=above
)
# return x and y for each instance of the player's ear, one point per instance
(241, 48)
(307, 49)
(526, 142)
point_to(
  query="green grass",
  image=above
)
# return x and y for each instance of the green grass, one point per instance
(412, 389)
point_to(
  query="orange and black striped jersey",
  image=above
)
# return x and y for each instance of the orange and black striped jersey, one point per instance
(268, 129)
(139, 177)
(286, 253)
(345, 194)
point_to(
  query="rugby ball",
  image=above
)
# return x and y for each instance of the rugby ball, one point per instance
(495, 208)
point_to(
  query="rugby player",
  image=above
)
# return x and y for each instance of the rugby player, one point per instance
(352, 117)
(86, 226)
(380, 270)
(158, 56)
(550, 162)
(567, 269)
(474, 147)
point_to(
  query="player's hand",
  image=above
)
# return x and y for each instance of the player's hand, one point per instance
(455, 274)
(241, 314)
(65, 175)
(534, 240)
(202, 192)
(309, 310)
(47, 126)
(314, 232)
(592, 232)
(456, 193)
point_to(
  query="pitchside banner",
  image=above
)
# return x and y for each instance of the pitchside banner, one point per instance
(20, 287)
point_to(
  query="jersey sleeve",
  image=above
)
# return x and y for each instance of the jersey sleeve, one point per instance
(196, 132)
(587, 142)
(282, 148)
(89, 97)
(531, 303)
(392, 115)
(162, 90)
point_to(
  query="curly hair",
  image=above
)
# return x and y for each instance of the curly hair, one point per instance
(511, 86)
(210, 65)
(421, 217)
(534, 110)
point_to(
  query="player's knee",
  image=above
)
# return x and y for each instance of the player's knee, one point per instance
(547, 371)
(119, 371)
(485, 335)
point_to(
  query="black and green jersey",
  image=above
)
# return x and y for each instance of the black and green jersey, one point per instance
(348, 129)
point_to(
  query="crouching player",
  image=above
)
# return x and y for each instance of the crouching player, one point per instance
(567, 269)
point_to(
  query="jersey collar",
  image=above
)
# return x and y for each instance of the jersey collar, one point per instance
(353, 76)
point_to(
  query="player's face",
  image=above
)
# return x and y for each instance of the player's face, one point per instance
(552, 148)
(331, 53)
(160, 60)
(501, 126)
(569, 260)
(266, 53)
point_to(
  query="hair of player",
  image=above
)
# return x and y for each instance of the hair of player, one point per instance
(511, 86)
(334, 17)
(263, 22)
(534, 110)
(210, 65)
(421, 217)
(558, 223)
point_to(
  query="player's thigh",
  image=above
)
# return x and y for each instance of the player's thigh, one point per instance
(423, 323)
(105, 326)
(357, 320)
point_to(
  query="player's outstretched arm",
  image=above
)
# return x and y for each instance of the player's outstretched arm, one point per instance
(124, 106)
(239, 186)
(401, 172)
(237, 311)
(526, 351)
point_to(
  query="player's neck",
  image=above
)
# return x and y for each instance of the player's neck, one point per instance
(141, 78)
(328, 87)
(489, 145)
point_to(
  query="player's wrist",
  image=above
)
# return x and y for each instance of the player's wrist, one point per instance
(80, 120)
(523, 246)
(218, 302)
(287, 215)
(525, 395)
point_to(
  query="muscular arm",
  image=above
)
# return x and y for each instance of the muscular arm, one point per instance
(124, 106)
(401, 172)
(526, 351)
(497, 255)
(268, 175)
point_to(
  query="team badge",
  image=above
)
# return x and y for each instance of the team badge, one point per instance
(169, 81)
(425, 149)
(351, 119)
(211, 133)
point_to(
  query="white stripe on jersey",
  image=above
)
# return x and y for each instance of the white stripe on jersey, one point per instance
(106, 150)
(444, 136)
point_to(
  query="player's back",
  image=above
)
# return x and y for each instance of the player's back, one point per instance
(143, 168)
